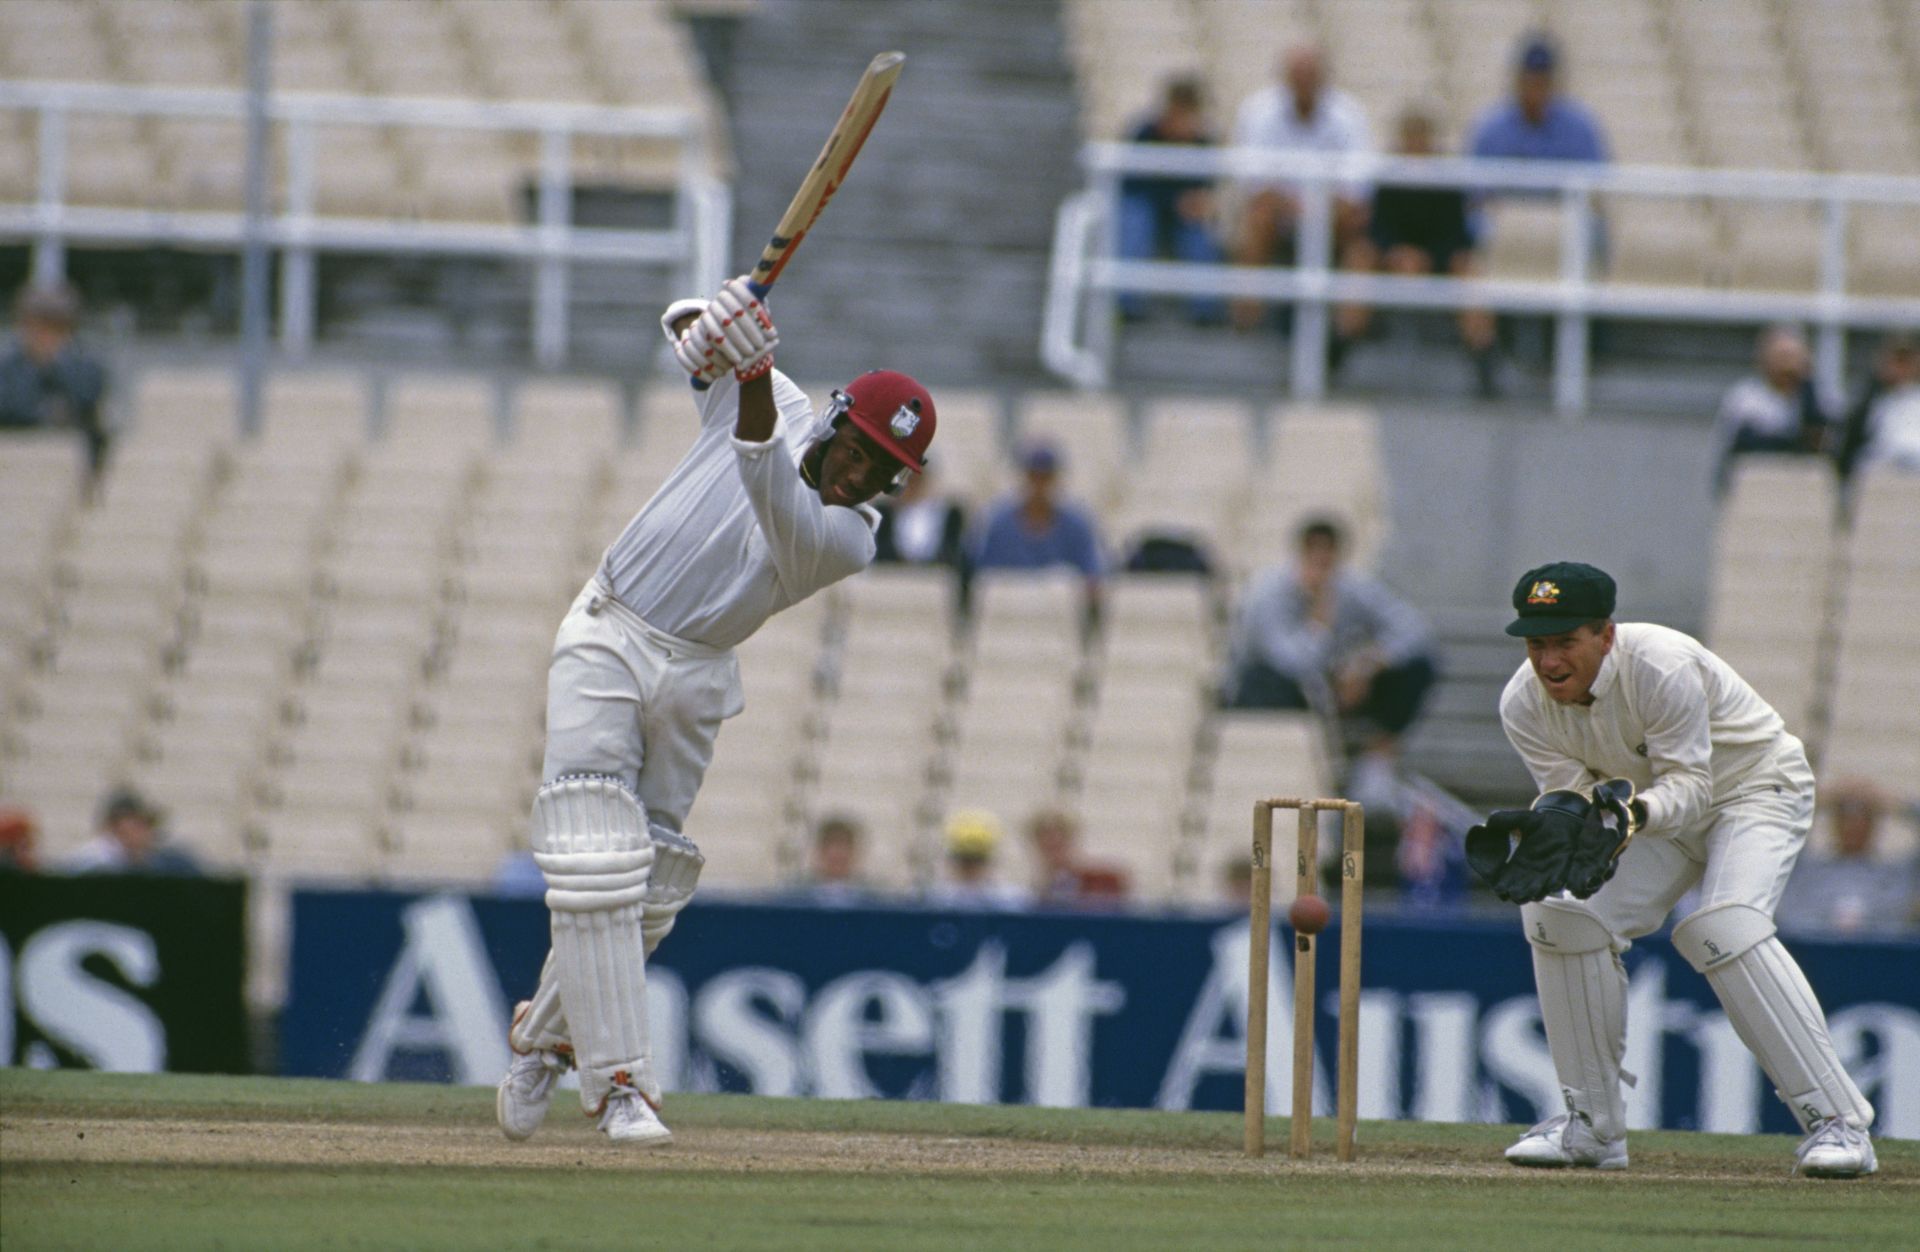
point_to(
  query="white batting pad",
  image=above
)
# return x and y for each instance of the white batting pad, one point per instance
(1583, 1004)
(1773, 1010)
(590, 840)
(676, 872)
(544, 1024)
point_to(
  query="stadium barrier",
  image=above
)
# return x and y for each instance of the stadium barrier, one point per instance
(1062, 1009)
(693, 244)
(123, 972)
(1086, 277)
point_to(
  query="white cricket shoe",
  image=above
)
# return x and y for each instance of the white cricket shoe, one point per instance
(627, 1117)
(526, 1091)
(1566, 1142)
(1835, 1150)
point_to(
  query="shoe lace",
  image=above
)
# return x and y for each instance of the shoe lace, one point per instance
(1551, 1126)
(1832, 1132)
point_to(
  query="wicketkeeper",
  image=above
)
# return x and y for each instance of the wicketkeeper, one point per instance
(768, 507)
(1660, 770)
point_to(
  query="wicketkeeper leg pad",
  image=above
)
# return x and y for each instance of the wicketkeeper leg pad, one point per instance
(1583, 1004)
(676, 872)
(1773, 1010)
(590, 840)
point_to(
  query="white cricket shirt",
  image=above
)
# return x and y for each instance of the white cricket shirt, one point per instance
(1267, 119)
(1667, 714)
(735, 534)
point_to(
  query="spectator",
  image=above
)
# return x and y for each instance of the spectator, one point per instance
(921, 527)
(130, 841)
(1064, 876)
(17, 833)
(833, 879)
(1538, 123)
(1035, 529)
(1884, 423)
(1164, 216)
(1301, 113)
(1320, 635)
(1854, 889)
(46, 378)
(1773, 410)
(1425, 230)
(970, 883)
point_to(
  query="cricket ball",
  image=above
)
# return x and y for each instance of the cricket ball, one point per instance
(1309, 915)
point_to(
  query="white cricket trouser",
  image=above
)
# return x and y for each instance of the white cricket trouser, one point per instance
(637, 703)
(1740, 857)
(640, 705)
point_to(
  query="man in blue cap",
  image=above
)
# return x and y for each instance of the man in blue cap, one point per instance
(1661, 772)
(1034, 528)
(1538, 123)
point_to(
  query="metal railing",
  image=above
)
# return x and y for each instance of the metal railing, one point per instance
(1086, 277)
(693, 244)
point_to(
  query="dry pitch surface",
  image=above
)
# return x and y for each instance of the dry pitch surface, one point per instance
(90, 1161)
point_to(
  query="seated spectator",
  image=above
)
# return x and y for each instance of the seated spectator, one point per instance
(970, 882)
(921, 527)
(47, 379)
(130, 841)
(1300, 113)
(1538, 123)
(833, 877)
(1426, 230)
(1064, 876)
(1169, 217)
(1035, 529)
(1883, 426)
(1853, 889)
(1323, 636)
(17, 833)
(1772, 410)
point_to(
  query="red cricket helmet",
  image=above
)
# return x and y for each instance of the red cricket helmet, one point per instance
(892, 410)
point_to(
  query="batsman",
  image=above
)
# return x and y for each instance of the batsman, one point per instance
(1660, 771)
(769, 507)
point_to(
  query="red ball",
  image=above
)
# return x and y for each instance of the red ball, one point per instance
(1309, 915)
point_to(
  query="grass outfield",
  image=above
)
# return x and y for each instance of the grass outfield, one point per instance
(123, 1161)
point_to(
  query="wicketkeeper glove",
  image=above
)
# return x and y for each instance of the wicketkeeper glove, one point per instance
(1617, 816)
(1527, 854)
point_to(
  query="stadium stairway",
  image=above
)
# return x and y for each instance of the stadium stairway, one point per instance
(974, 152)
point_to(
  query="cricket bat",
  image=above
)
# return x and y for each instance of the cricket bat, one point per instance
(830, 169)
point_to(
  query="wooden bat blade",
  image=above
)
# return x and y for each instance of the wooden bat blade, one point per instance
(830, 168)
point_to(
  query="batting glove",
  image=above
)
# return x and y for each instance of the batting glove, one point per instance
(740, 326)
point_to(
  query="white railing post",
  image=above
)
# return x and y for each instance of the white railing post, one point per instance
(555, 227)
(1313, 252)
(1102, 307)
(1570, 324)
(299, 294)
(49, 244)
(1830, 344)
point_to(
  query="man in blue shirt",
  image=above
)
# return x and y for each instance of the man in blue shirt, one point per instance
(1537, 123)
(1035, 529)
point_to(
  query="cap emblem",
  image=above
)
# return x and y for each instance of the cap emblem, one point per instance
(905, 422)
(1544, 592)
